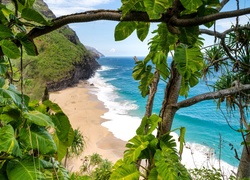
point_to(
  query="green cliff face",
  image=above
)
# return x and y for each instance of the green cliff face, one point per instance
(62, 60)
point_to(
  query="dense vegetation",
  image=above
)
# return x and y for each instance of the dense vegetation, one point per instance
(34, 137)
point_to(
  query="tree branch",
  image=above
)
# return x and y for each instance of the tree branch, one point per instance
(212, 95)
(113, 15)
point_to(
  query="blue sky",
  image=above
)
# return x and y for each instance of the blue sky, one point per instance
(100, 34)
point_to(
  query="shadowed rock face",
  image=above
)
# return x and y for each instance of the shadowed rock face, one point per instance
(84, 69)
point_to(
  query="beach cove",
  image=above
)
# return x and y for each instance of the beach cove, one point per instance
(84, 111)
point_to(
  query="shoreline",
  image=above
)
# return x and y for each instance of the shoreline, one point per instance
(84, 111)
(103, 141)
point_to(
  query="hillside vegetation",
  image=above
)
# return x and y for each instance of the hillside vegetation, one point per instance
(61, 62)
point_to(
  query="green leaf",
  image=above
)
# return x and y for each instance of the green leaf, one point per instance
(189, 35)
(182, 140)
(33, 15)
(61, 121)
(23, 169)
(145, 82)
(53, 106)
(164, 70)
(5, 32)
(125, 172)
(38, 118)
(10, 113)
(159, 57)
(155, 8)
(124, 29)
(135, 145)
(10, 49)
(189, 62)
(62, 124)
(62, 146)
(142, 30)
(38, 139)
(9, 93)
(151, 123)
(127, 6)
(191, 5)
(8, 142)
(28, 45)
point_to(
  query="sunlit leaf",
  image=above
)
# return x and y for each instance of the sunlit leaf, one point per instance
(33, 15)
(124, 29)
(23, 169)
(125, 172)
(135, 145)
(8, 142)
(191, 5)
(38, 118)
(38, 139)
(10, 49)
(142, 30)
(155, 8)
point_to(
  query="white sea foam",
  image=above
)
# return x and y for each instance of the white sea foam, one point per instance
(124, 126)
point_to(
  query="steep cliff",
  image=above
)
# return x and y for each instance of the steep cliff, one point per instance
(62, 61)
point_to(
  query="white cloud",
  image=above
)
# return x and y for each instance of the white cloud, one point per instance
(112, 50)
(64, 7)
(225, 24)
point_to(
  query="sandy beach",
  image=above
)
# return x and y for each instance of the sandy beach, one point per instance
(84, 111)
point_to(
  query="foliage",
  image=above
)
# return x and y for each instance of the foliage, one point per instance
(161, 153)
(78, 144)
(208, 174)
(94, 167)
(33, 140)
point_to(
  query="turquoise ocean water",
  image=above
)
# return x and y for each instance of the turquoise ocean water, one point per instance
(204, 123)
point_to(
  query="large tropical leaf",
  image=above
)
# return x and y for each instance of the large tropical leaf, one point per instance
(62, 125)
(38, 118)
(135, 145)
(151, 123)
(5, 32)
(124, 29)
(24, 169)
(142, 30)
(191, 5)
(8, 142)
(189, 35)
(14, 95)
(10, 49)
(189, 62)
(33, 15)
(28, 45)
(168, 165)
(38, 139)
(62, 146)
(125, 172)
(155, 8)
(127, 6)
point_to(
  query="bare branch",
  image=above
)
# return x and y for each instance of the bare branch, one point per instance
(133, 16)
(209, 18)
(211, 95)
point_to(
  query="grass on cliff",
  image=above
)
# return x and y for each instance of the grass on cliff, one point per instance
(56, 59)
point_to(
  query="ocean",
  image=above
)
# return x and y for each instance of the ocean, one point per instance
(207, 127)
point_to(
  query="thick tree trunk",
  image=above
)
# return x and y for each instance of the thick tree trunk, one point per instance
(244, 166)
(169, 109)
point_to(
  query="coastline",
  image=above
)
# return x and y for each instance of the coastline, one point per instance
(80, 103)
(84, 111)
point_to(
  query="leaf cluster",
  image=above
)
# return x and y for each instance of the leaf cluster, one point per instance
(34, 136)
(182, 42)
(161, 154)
